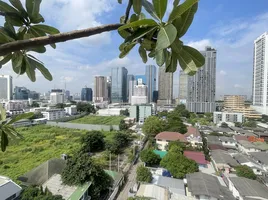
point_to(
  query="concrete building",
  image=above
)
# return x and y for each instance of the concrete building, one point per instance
(234, 101)
(202, 86)
(119, 85)
(21, 93)
(15, 105)
(130, 86)
(72, 110)
(219, 117)
(140, 112)
(183, 87)
(53, 114)
(100, 89)
(9, 190)
(140, 94)
(165, 87)
(260, 70)
(6, 89)
(86, 94)
(109, 87)
(56, 97)
(162, 139)
(150, 74)
(248, 112)
(143, 77)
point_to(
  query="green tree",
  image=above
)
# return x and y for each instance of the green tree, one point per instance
(144, 174)
(238, 124)
(81, 169)
(150, 158)
(245, 171)
(124, 112)
(224, 125)
(182, 111)
(122, 125)
(34, 193)
(92, 141)
(85, 107)
(119, 141)
(251, 124)
(176, 146)
(178, 165)
(60, 105)
(35, 105)
(174, 123)
(152, 126)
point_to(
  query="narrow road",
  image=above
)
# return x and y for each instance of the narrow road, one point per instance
(130, 183)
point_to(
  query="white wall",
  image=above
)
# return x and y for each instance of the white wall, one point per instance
(161, 144)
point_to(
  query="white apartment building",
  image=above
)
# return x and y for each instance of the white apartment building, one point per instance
(202, 86)
(53, 114)
(72, 110)
(140, 94)
(15, 104)
(219, 117)
(6, 87)
(260, 71)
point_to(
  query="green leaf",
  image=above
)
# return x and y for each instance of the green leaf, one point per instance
(35, 8)
(126, 50)
(17, 59)
(17, 4)
(53, 46)
(134, 18)
(36, 32)
(143, 54)
(22, 30)
(4, 36)
(176, 2)
(176, 46)
(160, 7)
(168, 58)
(142, 16)
(187, 19)
(137, 6)
(37, 64)
(197, 57)
(4, 7)
(124, 34)
(143, 23)
(10, 30)
(40, 49)
(160, 57)
(2, 113)
(172, 67)
(122, 19)
(20, 117)
(179, 10)
(152, 54)
(14, 20)
(186, 62)
(38, 19)
(29, 6)
(47, 29)
(166, 36)
(5, 59)
(139, 34)
(150, 9)
(21, 68)
(4, 141)
(177, 23)
(30, 70)
(148, 44)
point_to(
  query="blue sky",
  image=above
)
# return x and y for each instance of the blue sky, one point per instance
(230, 26)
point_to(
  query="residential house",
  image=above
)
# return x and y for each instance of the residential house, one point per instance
(228, 142)
(223, 161)
(221, 130)
(245, 160)
(162, 139)
(212, 139)
(9, 190)
(204, 186)
(152, 191)
(247, 189)
(261, 158)
(53, 114)
(198, 157)
(246, 147)
(193, 136)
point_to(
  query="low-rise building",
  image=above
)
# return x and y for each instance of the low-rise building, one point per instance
(228, 142)
(261, 158)
(198, 157)
(246, 147)
(53, 114)
(193, 136)
(162, 139)
(9, 190)
(246, 160)
(14, 105)
(219, 117)
(140, 112)
(153, 192)
(72, 110)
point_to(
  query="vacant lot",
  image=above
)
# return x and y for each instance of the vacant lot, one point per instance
(40, 144)
(105, 120)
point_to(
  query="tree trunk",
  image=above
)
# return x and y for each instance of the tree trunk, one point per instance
(61, 37)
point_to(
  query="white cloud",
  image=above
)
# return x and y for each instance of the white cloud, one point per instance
(200, 45)
(66, 79)
(223, 73)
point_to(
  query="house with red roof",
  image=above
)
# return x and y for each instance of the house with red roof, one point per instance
(162, 139)
(197, 156)
(193, 136)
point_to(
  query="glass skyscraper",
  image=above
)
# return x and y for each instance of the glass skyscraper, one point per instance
(119, 85)
(150, 75)
(143, 77)
(86, 94)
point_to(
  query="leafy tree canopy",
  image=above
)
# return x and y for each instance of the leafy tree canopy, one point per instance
(175, 123)
(150, 158)
(144, 174)
(123, 126)
(224, 125)
(178, 165)
(152, 126)
(176, 146)
(34, 193)
(85, 107)
(124, 112)
(119, 141)
(245, 171)
(251, 124)
(238, 124)
(60, 105)
(92, 141)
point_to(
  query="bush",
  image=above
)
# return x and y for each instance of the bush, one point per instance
(144, 174)
(245, 171)
(150, 158)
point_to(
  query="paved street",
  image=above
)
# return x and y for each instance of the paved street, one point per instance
(131, 181)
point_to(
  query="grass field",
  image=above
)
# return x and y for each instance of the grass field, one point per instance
(105, 120)
(40, 144)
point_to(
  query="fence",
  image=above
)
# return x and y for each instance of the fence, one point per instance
(70, 118)
(89, 127)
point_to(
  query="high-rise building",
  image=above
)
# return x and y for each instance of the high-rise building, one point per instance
(67, 94)
(100, 89)
(56, 97)
(202, 86)
(140, 94)
(165, 87)
(143, 77)
(119, 85)
(260, 71)
(150, 74)
(86, 94)
(109, 87)
(21, 93)
(130, 86)
(6, 87)
(234, 101)
(183, 87)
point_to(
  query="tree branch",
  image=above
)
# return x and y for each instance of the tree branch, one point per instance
(61, 37)
(128, 10)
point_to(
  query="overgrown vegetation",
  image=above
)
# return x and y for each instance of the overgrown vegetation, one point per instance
(150, 158)
(144, 174)
(93, 119)
(245, 171)
(35, 193)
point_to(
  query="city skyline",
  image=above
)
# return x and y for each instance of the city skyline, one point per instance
(231, 35)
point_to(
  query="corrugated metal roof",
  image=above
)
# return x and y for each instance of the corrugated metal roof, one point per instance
(153, 191)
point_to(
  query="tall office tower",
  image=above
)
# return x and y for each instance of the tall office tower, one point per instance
(86, 94)
(234, 101)
(143, 77)
(260, 71)
(202, 86)
(6, 87)
(150, 74)
(140, 94)
(109, 87)
(21, 93)
(119, 85)
(183, 87)
(165, 87)
(67, 95)
(130, 86)
(100, 89)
